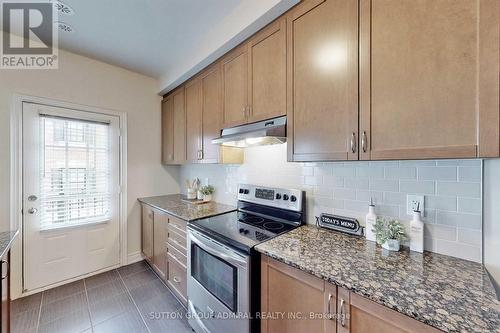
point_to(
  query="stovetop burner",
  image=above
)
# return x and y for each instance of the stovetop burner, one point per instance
(274, 226)
(250, 219)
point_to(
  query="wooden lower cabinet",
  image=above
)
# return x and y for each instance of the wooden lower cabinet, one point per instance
(5, 292)
(297, 299)
(147, 233)
(159, 243)
(164, 246)
(288, 293)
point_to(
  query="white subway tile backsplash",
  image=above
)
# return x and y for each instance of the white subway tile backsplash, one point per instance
(418, 187)
(356, 183)
(400, 173)
(468, 236)
(471, 221)
(469, 205)
(384, 185)
(469, 174)
(459, 189)
(441, 202)
(437, 173)
(452, 190)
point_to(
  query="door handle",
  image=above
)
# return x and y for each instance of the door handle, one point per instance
(342, 312)
(329, 306)
(353, 142)
(363, 142)
(8, 268)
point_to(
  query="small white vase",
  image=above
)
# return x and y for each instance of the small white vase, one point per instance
(191, 193)
(199, 195)
(207, 197)
(391, 245)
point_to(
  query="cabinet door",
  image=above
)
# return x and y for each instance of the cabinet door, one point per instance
(211, 113)
(277, 282)
(193, 121)
(429, 78)
(267, 68)
(322, 80)
(179, 126)
(368, 316)
(160, 223)
(147, 232)
(5, 292)
(167, 130)
(234, 69)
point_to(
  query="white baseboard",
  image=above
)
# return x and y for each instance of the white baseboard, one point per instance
(134, 257)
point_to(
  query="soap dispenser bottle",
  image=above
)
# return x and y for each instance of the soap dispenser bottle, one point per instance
(371, 219)
(417, 231)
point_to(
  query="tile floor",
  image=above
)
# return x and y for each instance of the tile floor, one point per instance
(125, 300)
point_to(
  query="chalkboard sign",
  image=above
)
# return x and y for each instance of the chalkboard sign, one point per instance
(340, 223)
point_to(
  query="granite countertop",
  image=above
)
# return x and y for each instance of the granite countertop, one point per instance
(448, 293)
(6, 238)
(174, 205)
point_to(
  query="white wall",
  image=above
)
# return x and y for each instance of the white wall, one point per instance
(452, 190)
(86, 81)
(491, 218)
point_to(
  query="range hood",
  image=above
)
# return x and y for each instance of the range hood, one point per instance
(266, 132)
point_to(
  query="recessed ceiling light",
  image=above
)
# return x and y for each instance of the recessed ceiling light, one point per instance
(65, 27)
(63, 8)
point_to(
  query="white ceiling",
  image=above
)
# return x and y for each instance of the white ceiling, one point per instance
(166, 39)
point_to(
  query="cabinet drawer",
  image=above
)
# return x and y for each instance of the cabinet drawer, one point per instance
(177, 278)
(177, 224)
(177, 255)
(177, 240)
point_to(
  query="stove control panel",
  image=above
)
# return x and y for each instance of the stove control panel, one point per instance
(271, 196)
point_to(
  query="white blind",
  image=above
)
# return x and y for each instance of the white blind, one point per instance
(75, 171)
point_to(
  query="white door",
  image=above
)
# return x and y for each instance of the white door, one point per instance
(71, 191)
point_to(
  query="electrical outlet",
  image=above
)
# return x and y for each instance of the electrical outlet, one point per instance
(413, 201)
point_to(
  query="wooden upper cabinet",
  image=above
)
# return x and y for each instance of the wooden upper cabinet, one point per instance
(211, 115)
(322, 74)
(167, 130)
(267, 68)
(234, 68)
(174, 128)
(179, 126)
(429, 78)
(193, 121)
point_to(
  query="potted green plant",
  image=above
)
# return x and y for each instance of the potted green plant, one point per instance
(389, 233)
(207, 192)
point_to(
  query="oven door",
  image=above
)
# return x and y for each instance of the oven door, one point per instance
(218, 286)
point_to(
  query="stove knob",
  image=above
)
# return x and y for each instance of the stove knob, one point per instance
(293, 198)
(246, 191)
(242, 230)
(241, 191)
(246, 231)
(285, 196)
(278, 196)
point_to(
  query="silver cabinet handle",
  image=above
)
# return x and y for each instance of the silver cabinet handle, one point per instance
(176, 279)
(353, 142)
(8, 269)
(342, 313)
(32, 210)
(330, 317)
(245, 111)
(363, 142)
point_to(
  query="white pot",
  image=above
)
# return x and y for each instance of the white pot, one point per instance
(199, 195)
(391, 245)
(207, 197)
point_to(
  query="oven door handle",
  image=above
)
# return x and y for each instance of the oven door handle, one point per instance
(196, 317)
(228, 257)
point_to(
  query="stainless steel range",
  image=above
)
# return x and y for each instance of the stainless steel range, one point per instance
(223, 268)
